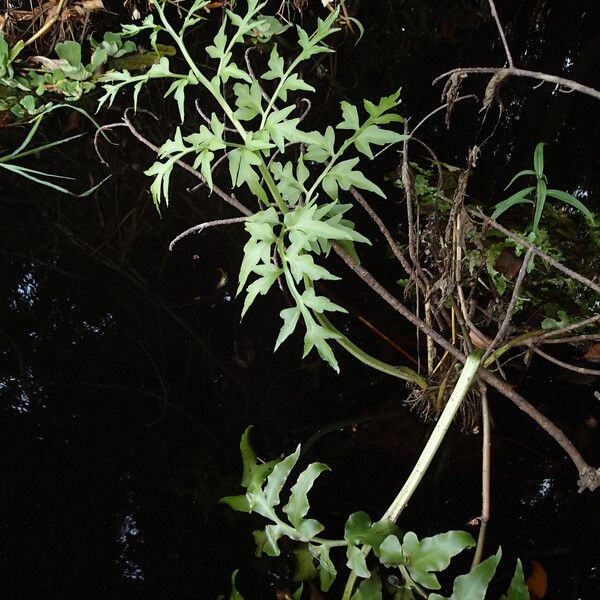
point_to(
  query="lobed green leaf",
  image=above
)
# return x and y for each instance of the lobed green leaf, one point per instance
(433, 554)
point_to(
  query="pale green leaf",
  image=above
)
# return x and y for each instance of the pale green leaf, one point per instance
(473, 585)
(275, 64)
(69, 51)
(293, 83)
(248, 100)
(360, 530)
(298, 504)
(239, 503)
(278, 477)
(320, 304)
(303, 264)
(357, 562)
(233, 71)
(379, 137)
(350, 118)
(240, 165)
(290, 318)
(315, 337)
(217, 49)
(390, 552)
(268, 275)
(255, 251)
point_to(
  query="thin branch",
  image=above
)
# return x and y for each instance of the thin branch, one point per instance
(573, 326)
(251, 72)
(486, 462)
(564, 365)
(436, 160)
(501, 32)
(523, 242)
(98, 133)
(511, 306)
(202, 226)
(217, 190)
(574, 339)
(513, 71)
(439, 108)
(389, 239)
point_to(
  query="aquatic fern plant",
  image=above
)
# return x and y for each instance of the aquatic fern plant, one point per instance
(298, 177)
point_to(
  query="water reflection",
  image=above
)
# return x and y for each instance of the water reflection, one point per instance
(127, 538)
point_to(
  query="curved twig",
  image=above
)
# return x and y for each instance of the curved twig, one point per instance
(200, 227)
(564, 365)
(207, 120)
(439, 108)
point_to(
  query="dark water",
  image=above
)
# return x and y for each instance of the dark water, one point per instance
(127, 379)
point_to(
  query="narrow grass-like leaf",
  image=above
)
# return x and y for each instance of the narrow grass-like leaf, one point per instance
(518, 198)
(540, 201)
(520, 174)
(571, 201)
(538, 160)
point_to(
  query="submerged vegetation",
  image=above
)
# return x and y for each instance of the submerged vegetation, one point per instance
(480, 294)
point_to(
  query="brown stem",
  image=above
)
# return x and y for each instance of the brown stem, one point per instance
(501, 32)
(513, 71)
(486, 452)
(574, 339)
(564, 365)
(511, 306)
(389, 239)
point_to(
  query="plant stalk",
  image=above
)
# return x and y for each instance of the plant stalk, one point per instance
(435, 439)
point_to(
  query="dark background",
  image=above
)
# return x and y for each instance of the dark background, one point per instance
(127, 379)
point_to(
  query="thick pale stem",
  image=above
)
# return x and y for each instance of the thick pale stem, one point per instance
(400, 502)
(458, 394)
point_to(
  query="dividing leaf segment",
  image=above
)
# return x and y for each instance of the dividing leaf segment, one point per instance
(291, 226)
